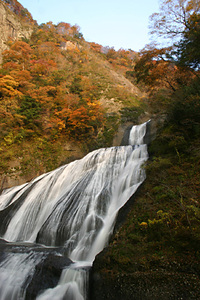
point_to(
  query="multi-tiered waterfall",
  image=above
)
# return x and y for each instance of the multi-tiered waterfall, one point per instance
(69, 212)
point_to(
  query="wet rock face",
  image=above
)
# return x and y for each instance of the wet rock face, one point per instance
(47, 275)
(125, 138)
(47, 272)
(147, 138)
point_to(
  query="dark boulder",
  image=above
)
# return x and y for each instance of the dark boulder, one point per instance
(47, 270)
(47, 274)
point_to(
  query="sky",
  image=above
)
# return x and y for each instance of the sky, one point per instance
(113, 23)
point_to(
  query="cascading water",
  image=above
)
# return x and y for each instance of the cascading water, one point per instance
(70, 212)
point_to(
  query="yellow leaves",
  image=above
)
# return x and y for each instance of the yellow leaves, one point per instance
(162, 218)
(61, 125)
(143, 225)
(56, 123)
(8, 80)
(23, 77)
(9, 139)
(8, 87)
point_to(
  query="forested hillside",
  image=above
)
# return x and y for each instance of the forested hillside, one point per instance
(60, 97)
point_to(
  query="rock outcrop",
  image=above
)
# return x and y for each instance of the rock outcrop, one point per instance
(11, 28)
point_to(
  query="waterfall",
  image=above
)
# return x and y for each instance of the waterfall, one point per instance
(69, 212)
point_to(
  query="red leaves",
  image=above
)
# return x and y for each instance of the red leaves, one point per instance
(42, 67)
(83, 121)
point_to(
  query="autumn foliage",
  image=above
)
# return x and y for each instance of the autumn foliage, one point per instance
(35, 87)
(19, 10)
(46, 97)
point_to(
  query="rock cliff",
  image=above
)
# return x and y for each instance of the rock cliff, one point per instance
(11, 27)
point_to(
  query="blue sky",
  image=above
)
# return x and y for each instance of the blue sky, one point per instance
(113, 23)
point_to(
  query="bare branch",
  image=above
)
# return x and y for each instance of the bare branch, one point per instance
(172, 20)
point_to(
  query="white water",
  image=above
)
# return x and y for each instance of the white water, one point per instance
(75, 206)
(14, 270)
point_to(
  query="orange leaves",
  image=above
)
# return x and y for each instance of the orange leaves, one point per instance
(22, 49)
(23, 77)
(44, 95)
(54, 82)
(84, 120)
(157, 69)
(55, 123)
(79, 117)
(78, 123)
(96, 47)
(47, 51)
(18, 55)
(8, 87)
(42, 67)
(154, 68)
(11, 65)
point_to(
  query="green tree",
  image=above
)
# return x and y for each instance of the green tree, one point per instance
(76, 87)
(30, 109)
(188, 49)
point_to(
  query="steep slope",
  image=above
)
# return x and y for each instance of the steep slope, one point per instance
(116, 91)
(11, 27)
(65, 98)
